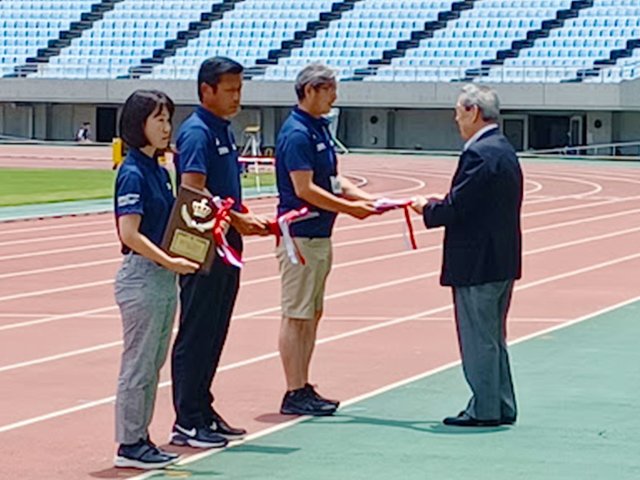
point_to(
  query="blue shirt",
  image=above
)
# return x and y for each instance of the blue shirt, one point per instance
(143, 187)
(206, 145)
(304, 143)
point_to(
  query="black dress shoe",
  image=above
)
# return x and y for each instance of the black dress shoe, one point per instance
(465, 420)
(507, 421)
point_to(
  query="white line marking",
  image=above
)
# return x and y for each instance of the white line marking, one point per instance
(381, 390)
(55, 227)
(349, 293)
(59, 237)
(55, 290)
(53, 318)
(372, 259)
(59, 250)
(60, 268)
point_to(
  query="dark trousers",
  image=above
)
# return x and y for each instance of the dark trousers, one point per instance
(481, 318)
(205, 312)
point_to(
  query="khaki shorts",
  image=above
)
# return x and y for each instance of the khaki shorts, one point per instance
(303, 285)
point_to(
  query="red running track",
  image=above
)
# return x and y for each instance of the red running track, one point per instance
(386, 317)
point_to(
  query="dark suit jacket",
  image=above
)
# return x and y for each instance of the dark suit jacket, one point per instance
(481, 215)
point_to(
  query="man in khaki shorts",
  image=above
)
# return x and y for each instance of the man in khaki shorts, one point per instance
(306, 168)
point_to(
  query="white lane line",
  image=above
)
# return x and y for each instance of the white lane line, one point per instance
(111, 399)
(384, 389)
(68, 226)
(536, 187)
(53, 318)
(374, 259)
(58, 250)
(55, 290)
(356, 291)
(373, 318)
(342, 244)
(109, 232)
(60, 268)
(415, 218)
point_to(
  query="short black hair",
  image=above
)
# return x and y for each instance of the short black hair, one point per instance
(139, 106)
(213, 68)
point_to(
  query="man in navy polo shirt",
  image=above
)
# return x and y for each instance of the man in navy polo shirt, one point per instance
(307, 174)
(208, 160)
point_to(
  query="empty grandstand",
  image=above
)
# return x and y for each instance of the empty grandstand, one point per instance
(557, 47)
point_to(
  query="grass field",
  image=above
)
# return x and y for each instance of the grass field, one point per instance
(29, 186)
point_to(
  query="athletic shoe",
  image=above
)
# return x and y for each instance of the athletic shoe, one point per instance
(197, 437)
(303, 402)
(168, 454)
(143, 455)
(311, 389)
(222, 428)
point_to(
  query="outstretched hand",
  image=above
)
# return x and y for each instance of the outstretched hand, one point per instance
(418, 203)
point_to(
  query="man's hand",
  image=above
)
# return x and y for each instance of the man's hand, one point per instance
(362, 209)
(418, 203)
(249, 223)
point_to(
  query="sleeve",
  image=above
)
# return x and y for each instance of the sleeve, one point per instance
(192, 151)
(465, 197)
(298, 153)
(129, 194)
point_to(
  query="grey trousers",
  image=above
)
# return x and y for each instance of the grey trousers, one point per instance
(147, 296)
(481, 317)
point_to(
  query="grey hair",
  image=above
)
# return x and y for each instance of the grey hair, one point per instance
(316, 75)
(485, 98)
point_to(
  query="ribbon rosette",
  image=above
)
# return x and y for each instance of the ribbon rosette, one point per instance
(386, 204)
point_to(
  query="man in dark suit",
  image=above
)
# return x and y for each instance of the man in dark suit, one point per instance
(482, 254)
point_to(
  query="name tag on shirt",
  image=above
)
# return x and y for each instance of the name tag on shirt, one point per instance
(223, 150)
(336, 186)
(321, 147)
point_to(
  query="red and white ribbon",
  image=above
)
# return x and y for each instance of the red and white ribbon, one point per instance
(281, 229)
(386, 204)
(226, 251)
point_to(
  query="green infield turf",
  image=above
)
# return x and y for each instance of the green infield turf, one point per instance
(30, 186)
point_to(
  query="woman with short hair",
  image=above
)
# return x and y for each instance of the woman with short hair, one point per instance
(145, 287)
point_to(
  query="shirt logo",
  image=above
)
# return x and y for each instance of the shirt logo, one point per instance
(128, 199)
(321, 147)
(223, 150)
(168, 186)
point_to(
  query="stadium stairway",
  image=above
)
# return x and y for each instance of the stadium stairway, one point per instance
(532, 35)
(171, 46)
(87, 19)
(403, 45)
(217, 13)
(603, 63)
(287, 46)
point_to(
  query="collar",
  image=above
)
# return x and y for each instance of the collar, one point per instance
(307, 118)
(212, 121)
(138, 156)
(479, 134)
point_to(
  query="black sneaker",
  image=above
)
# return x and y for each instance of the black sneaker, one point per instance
(302, 402)
(144, 455)
(197, 437)
(222, 428)
(168, 454)
(311, 389)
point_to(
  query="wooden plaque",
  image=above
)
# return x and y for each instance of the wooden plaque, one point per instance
(189, 233)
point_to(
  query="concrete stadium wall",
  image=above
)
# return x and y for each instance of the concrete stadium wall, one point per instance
(373, 114)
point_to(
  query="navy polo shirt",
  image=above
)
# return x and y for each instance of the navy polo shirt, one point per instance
(206, 145)
(143, 187)
(304, 143)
